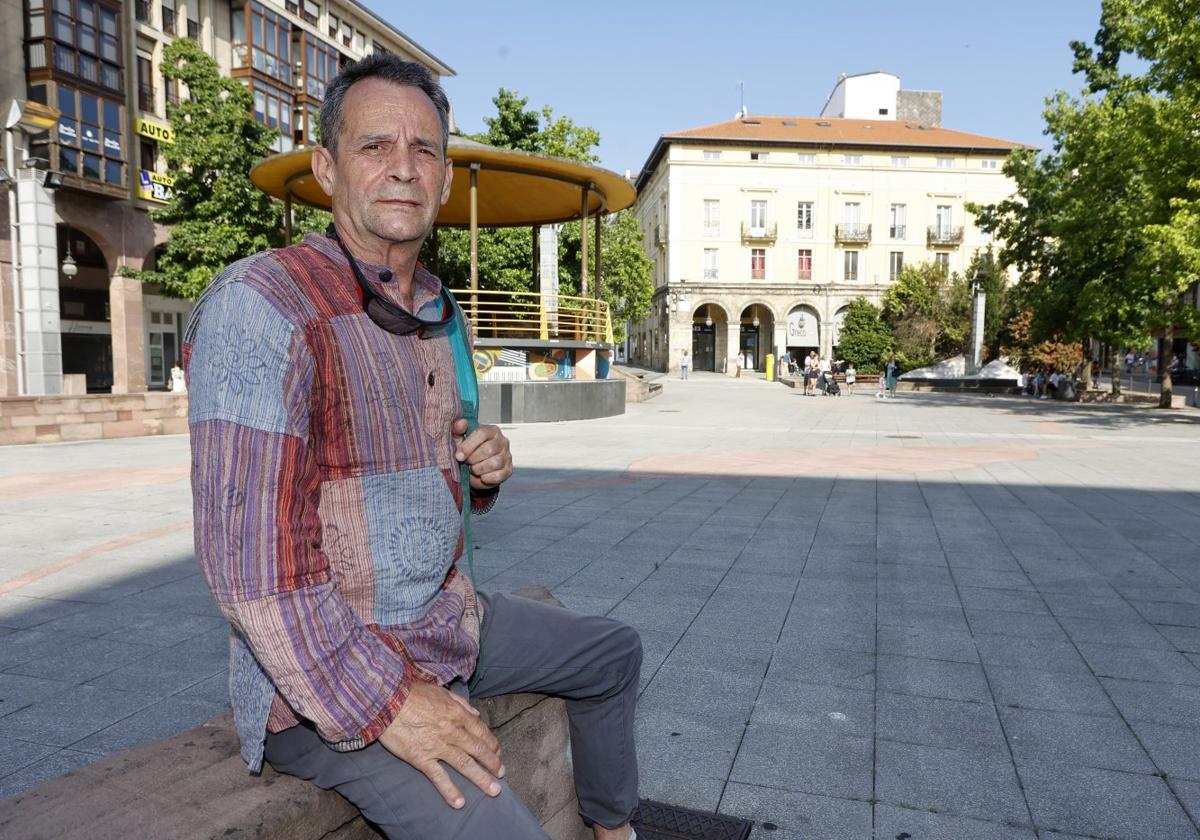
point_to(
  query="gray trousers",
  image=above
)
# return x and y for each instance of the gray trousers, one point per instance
(591, 661)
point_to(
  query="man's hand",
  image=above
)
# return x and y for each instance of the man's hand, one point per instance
(434, 725)
(486, 451)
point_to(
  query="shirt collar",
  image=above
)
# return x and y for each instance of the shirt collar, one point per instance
(427, 288)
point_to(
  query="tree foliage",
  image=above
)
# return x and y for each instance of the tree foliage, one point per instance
(865, 339)
(1105, 227)
(506, 254)
(929, 314)
(216, 215)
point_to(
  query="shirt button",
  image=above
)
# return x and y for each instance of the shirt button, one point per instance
(430, 379)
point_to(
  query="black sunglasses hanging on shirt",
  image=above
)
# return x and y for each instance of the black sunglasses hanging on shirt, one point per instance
(385, 314)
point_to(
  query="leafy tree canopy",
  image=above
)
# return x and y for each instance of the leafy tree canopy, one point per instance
(217, 216)
(865, 339)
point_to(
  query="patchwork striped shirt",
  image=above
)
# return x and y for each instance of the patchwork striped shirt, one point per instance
(327, 500)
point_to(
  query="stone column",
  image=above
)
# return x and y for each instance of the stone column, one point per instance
(8, 314)
(548, 273)
(128, 334)
(42, 326)
(733, 344)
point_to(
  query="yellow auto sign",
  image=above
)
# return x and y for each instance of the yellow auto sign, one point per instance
(153, 130)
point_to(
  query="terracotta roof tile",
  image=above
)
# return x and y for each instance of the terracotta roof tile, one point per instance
(842, 132)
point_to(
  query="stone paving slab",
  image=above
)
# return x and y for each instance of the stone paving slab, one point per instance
(940, 616)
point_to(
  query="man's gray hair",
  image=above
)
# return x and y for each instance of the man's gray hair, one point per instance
(390, 68)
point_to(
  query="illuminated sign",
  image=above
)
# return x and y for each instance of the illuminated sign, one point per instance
(155, 187)
(153, 130)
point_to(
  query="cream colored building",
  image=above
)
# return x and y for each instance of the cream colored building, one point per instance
(98, 63)
(763, 228)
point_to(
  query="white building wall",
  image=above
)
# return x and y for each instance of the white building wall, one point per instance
(868, 96)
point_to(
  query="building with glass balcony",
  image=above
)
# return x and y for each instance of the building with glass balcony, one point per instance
(762, 229)
(79, 189)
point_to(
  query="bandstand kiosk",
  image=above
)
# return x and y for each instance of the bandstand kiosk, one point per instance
(540, 356)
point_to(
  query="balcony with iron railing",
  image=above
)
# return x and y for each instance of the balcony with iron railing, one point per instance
(147, 98)
(945, 235)
(852, 232)
(760, 233)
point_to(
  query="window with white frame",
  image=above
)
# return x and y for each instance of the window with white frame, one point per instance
(943, 219)
(900, 161)
(804, 219)
(852, 213)
(850, 266)
(945, 163)
(804, 264)
(758, 215)
(898, 221)
(989, 163)
(710, 263)
(852, 160)
(712, 154)
(807, 158)
(712, 217)
(761, 157)
(895, 265)
(942, 260)
(758, 263)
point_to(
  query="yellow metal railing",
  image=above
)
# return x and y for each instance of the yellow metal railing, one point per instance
(532, 315)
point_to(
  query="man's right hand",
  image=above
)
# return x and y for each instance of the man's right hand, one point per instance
(436, 725)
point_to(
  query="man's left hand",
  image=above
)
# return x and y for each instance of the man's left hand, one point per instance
(486, 452)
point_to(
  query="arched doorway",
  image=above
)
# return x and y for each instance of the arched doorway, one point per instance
(83, 305)
(709, 329)
(803, 331)
(757, 329)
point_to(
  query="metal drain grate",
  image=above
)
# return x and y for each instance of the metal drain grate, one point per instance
(659, 821)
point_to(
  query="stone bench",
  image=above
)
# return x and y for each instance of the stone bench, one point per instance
(195, 785)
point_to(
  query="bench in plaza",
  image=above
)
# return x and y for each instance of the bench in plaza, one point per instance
(195, 785)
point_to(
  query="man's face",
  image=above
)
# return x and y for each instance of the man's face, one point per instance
(390, 177)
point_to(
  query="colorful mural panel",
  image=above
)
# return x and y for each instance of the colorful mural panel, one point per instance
(493, 364)
(551, 364)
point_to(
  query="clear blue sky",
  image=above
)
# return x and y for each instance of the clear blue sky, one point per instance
(635, 71)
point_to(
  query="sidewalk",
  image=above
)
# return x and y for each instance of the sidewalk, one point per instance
(940, 616)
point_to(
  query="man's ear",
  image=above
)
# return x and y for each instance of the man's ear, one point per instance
(449, 180)
(323, 169)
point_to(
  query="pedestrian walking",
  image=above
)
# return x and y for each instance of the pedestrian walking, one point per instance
(824, 370)
(741, 363)
(851, 375)
(890, 371)
(685, 362)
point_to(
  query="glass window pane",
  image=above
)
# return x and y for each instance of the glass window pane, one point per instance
(91, 166)
(68, 131)
(112, 115)
(108, 22)
(273, 112)
(63, 29)
(108, 48)
(258, 31)
(112, 144)
(89, 137)
(86, 38)
(260, 106)
(62, 6)
(90, 108)
(113, 172)
(37, 26)
(66, 101)
(68, 160)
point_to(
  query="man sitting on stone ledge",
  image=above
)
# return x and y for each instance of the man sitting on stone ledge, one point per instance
(327, 436)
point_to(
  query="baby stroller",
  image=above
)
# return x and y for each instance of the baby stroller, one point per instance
(832, 388)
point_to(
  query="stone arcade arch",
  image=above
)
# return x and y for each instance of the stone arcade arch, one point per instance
(756, 334)
(803, 331)
(710, 331)
(84, 309)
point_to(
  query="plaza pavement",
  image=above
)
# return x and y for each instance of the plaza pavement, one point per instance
(937, 617)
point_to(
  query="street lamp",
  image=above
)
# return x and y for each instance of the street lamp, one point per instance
(754, 311)
(69, 266)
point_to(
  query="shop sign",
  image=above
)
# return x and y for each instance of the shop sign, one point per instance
(67, 133)
(153, 130)
(155, 187)
(802, 328)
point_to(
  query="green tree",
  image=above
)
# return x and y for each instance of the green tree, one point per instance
(1103, 228)
(506, 254)
(928, 312)
(865, 339)
(216, 215)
